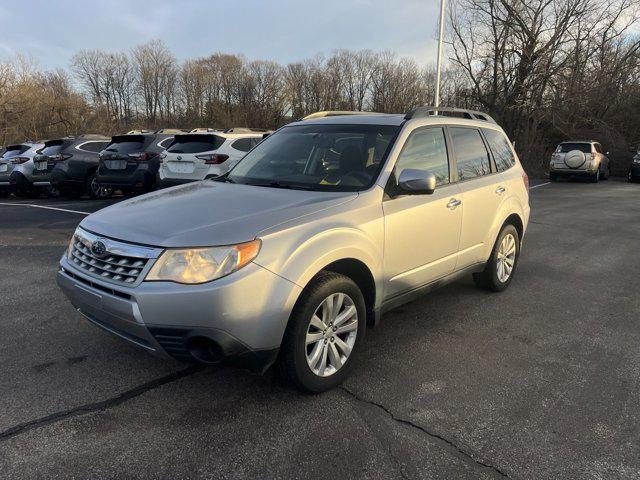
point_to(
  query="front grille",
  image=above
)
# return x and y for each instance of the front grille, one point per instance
(116, 268)
(173, 341)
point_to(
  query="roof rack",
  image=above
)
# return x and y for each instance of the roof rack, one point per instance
(429, 111)
(337, 113)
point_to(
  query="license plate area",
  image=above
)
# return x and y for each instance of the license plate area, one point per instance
(181, 167)
(41, 165)
(116, 164)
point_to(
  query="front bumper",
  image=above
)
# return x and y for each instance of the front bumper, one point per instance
(242, 317)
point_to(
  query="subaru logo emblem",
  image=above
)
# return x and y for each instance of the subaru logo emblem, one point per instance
(99, 249)
(178, 157)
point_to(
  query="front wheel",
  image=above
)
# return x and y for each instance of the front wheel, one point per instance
(95, 190)
(325, 330)
(501, 266)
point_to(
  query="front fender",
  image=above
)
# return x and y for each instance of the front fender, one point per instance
(299, 256)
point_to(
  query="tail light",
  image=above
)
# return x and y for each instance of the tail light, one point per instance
(141, 157)
(525, 179)
(213, 158)
(19, 160)
(593, 157)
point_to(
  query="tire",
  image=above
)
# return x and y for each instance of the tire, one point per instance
(296, 355)
(553, 177)
(596, 177)
(490, 278)
(95, 190)
(4, 193)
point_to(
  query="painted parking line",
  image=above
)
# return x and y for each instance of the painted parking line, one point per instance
(46, 208)
(541, 185)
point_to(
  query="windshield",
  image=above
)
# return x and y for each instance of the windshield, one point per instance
(126, 144)
(567, 147)
(197, 143)
(318, 157)
(52, 148)
(14, 151)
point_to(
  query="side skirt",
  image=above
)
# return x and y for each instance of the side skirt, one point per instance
(414, 294)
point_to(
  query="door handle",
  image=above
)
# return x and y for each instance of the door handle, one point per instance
(453, 203)
(500, 190)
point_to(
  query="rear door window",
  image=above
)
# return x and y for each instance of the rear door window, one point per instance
(567, 147)
(501, 149)
(197, 143)
(471, 154)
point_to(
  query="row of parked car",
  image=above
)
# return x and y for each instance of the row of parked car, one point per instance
(138, 161)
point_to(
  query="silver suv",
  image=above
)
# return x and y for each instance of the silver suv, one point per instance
(315, 233)
(579, 159)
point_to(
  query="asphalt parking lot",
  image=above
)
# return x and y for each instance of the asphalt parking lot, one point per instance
(540, 381)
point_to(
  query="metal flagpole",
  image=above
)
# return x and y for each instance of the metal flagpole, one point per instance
(439, 59)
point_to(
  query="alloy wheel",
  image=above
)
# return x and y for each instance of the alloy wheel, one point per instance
(331, 334)
(506, 257)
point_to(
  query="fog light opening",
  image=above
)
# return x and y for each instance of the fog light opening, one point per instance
(204, 350)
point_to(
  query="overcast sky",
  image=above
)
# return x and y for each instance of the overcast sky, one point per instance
(282, 30)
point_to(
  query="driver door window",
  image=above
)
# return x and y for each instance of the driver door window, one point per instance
(426, 149)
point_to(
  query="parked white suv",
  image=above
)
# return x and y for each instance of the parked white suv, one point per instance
(205, 154)
(321, 228)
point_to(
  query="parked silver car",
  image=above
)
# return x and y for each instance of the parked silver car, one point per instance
(579, 159)
(16, 166)
(321, 228)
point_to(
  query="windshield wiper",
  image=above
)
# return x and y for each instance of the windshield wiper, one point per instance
(283, 185)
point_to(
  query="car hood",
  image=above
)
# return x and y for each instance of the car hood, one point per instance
(206, 213)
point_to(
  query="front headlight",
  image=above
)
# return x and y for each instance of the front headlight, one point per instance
(200, 265)
(636, 159)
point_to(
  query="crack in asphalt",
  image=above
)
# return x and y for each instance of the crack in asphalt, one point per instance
(98, 406)
(448, 444)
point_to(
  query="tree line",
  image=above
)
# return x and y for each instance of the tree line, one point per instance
(546, 70)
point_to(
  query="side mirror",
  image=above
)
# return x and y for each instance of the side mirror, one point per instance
(416, 182)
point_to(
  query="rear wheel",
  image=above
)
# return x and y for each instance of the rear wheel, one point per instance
(553, 177)
(95, 190)
(324, 333)
(595, 178)
(501, 266)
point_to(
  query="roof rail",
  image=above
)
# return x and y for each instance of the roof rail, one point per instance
(204, 129)
(429, 111)
(245, 130)
(171, 131)
(137, 131)
(337, 113)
